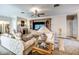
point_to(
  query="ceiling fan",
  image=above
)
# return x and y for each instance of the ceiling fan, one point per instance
(37, 12)
(34, 13)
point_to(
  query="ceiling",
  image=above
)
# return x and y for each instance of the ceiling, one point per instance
(48, 9)
(27, 7)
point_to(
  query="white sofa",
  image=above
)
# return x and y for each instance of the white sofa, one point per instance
(16, 46)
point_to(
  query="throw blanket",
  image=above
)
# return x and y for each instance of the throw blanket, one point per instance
(14, 45)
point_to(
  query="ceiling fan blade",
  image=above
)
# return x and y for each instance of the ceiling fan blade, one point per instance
(56, 5)
(41, 13)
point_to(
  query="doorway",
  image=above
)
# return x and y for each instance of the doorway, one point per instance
(72, 26)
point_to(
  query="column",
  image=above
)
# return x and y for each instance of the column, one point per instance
(61, 41)
(78, 26)
(13, 23)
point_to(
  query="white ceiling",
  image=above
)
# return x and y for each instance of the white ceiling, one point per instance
(48, 9)
(27, 7)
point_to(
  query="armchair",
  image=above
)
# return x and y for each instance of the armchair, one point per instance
(50, 40)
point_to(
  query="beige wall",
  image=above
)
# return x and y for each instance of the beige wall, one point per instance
(59, 22)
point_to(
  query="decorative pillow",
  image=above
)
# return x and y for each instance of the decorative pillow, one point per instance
(50, 38)
(18, 34)
(43, 45)
(42, 41)
(35, 33)
(42, 38)
(26, 37)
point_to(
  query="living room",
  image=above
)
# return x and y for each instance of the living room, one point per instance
(22, 27)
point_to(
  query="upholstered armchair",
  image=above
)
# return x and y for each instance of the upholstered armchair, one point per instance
(50, 35)
(50, 40)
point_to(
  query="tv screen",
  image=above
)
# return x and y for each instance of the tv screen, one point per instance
(38, 25)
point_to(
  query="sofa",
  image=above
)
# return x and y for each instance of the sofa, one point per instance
(15, 46)
(24, 45)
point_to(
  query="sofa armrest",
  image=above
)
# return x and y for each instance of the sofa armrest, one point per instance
(29, 43)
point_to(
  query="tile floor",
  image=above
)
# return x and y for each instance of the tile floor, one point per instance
(71, 47)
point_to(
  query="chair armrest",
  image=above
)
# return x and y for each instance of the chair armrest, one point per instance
(41, 51)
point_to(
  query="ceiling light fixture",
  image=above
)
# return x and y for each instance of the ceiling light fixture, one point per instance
(35, 10)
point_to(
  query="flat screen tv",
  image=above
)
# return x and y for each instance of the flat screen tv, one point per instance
(38, 25)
